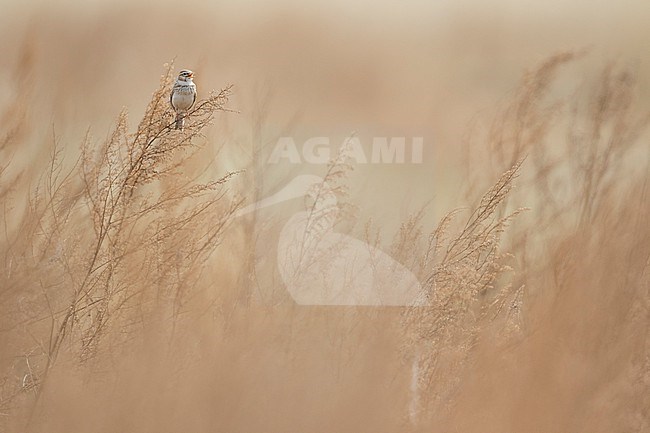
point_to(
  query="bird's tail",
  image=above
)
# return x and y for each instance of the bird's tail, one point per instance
(180, 121)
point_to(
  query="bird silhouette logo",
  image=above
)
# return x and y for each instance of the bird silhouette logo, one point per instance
(320, 266)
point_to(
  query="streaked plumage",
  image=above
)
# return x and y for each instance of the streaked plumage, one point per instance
(183, 96)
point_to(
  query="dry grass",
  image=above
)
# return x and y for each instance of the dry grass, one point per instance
(537, 320)
(552, 335)
(100, 247)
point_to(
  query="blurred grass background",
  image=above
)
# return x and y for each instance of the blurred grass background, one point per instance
(466, 77)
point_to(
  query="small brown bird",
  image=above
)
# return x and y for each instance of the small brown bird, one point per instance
(183, 96)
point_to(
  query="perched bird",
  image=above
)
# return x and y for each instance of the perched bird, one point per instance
(183, 96)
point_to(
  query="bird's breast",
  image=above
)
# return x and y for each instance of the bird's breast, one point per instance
(182, 100)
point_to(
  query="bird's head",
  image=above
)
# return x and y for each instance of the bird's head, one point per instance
(318, 194)
(185, 75)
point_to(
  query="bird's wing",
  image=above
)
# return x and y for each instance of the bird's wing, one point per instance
(171, 96)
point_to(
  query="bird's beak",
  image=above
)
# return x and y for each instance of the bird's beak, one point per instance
(296, 188)
(268, 201)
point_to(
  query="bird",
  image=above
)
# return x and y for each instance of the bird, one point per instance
(183, 96)
(320, 266)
